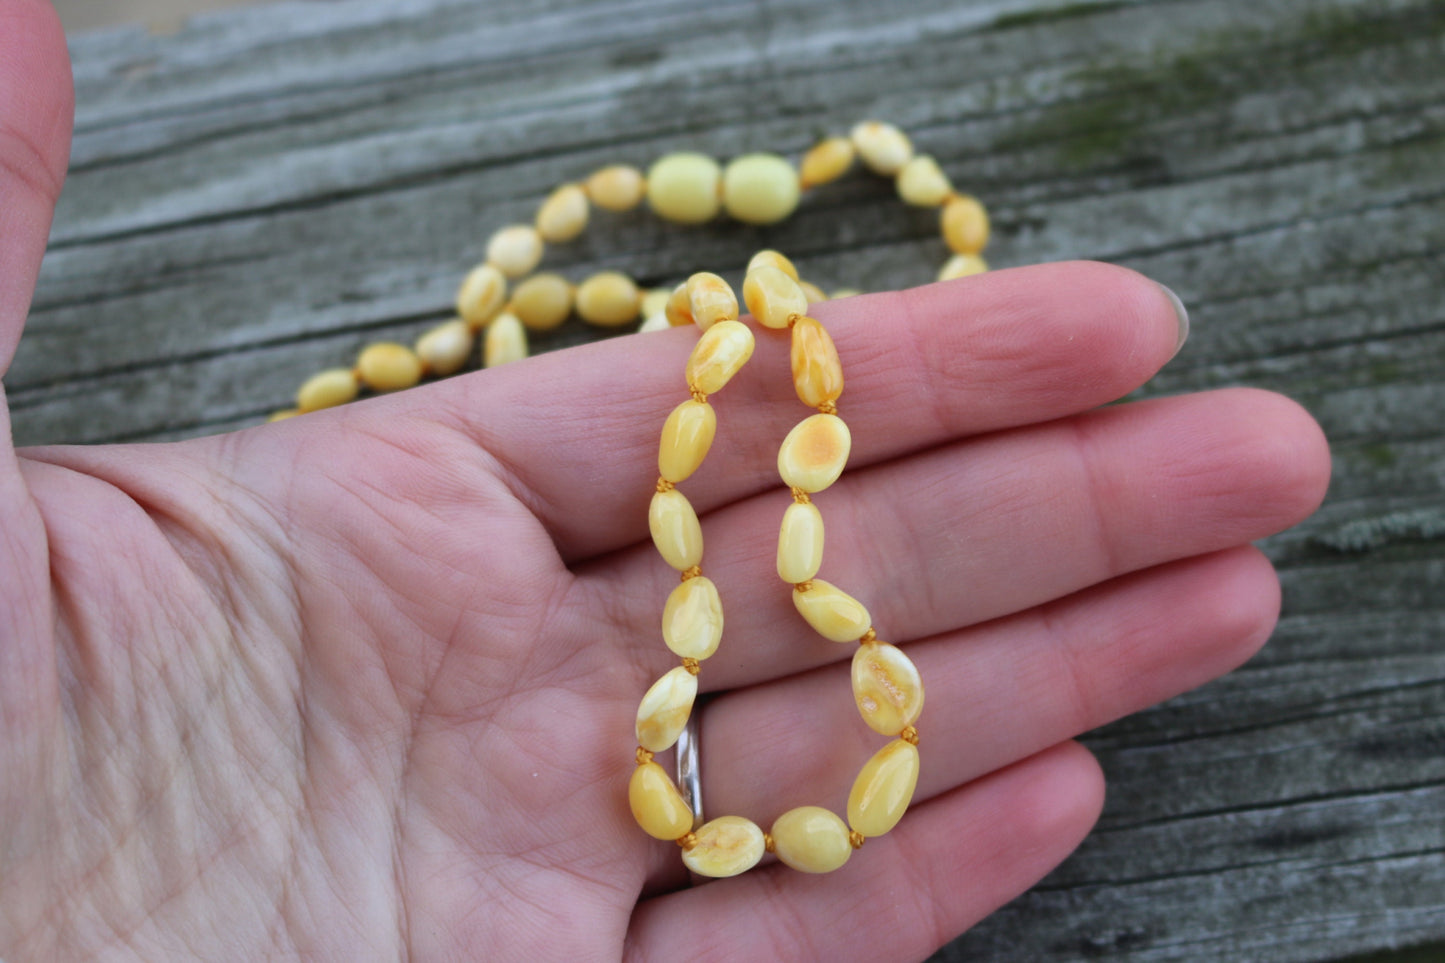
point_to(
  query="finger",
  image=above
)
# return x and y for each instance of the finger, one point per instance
(923, 366)
(949, 864)
(991, 526)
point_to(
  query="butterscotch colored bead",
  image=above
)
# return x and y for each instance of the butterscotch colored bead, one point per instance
(563, 215)
(675, 530)
(962, 266)
(800, 543)
(327, 389)
(964, 224)
(616, 188)
(832, 612)
(922, 182)
(608, 299)
(678, 308)
(883, 147)
(812, 292)
(811, 839)
(692, 619)
(542, 301)
(719, 354)
(760, 188)
(883, 789)
(446, 348)
(725, 846)
(773, 297)
(481, 296)
(826, 161)
(665, 708)
(886, 687)
(515, 250)
(683, 187)
(656, 804)
(710, 299)
(505, 341)
(387, 366)
(817, 372)
(813, 454)
(686, 437)
(771, 258)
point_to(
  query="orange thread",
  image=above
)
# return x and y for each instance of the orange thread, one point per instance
(856, 838)
(643, 756)
(828, 408)
(694, 572)
(800, 496)
(768, 843)
(692, 666)
(663, 485)
(698, 394)
(869, 636)
(803, 586)
(909, 735)
(688, 841)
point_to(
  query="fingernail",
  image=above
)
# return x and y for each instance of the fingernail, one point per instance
(1182, 314)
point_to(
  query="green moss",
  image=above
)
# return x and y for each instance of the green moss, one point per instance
(1380, 455)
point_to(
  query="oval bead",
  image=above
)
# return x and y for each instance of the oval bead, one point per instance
(826, 161)
(817, 372)
(964, 224)
(923, 183)
(655, 322)
(710, 299)
(800, 543)
(542, 302)
(675, 529)
(813, 293)
(387, 366)
(773, 297)
(505, 341)
(770, 258)
(760, 188)
(481, 296)
(883, 789)
(563, 215)
(832, 612)
(515, 250)
(813, 454)
(725, 846)
(327, 389)
(887, 687)
(446, 348)
(616, 188)
(718, 355)
(678, 308)
(665, 708)
(883, 147)
(962, 266)
(282, 415)
(841, 293)
(654, 301)
(686, 437)
(656, 804)
(811, 839)
(692, 619)
(683, 187)
(608, 299)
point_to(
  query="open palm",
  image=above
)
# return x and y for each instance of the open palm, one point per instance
(361, 684)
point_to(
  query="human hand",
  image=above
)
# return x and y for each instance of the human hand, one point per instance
(361, 684)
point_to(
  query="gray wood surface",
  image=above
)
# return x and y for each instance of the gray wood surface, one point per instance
(255, 197)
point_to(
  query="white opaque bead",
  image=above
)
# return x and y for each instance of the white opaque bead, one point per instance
(327, 389)
(665, 708)
(655, 322)
(800, 543)
(481, 296)
(883, 147)
(608, 299)
(563, 215)
(725, 846)
(675, 530)
(505, 341)
(710, 299)
(814, 453)
(883, 789)
(515, 250)
(760, 188)
(542, 301)
(446, 348)
(616, 188)
(692, 619)
(686, 437)
(962, 266)
(683, 187)
(886, 687)
(719, 354)
(811, 839)
(773, 297)
(832, 612)
(656, 804)
(922, 182)
(826, 161)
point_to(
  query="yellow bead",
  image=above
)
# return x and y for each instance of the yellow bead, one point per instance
(883, 789)
(665, 708)
(962, 266)
(719, 354)
(800, 543)
(811, 839)
(887, 687)
(710, 299)
(515, 250)
(387, 366)
(692, 619)
(654, 301)
(817, 372)
(883, 147)
(563, 215)
(482, 295)
(678, 308)
(760, 188)
(772, 258)
(675, 530)
(505, 341)
(656, 804)
(813, 454)
(832, 612)
(826, 161)
(964, 224)
(773, 297)
(922, 183)
(841, 293)
(283, 414)
(327, 389)
(616, 188)
(446, 348)
(655, 322)
(542, 302)
(686, 436)
(608, 299)
(726, 846)
(812, 292)
(683, 188)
